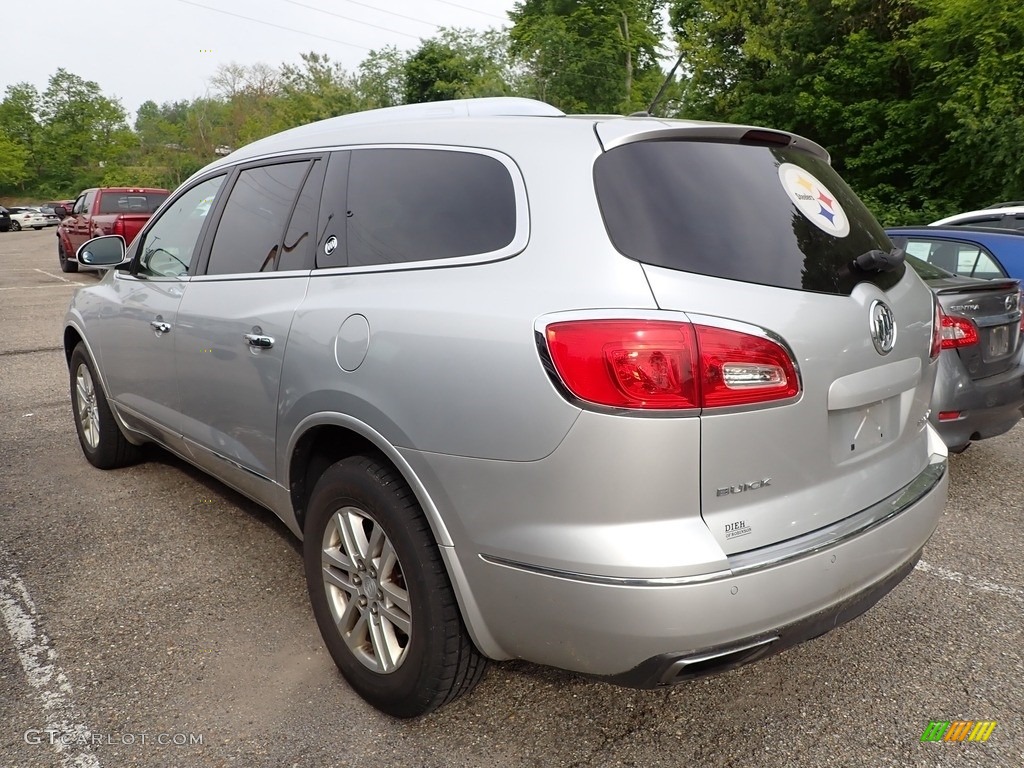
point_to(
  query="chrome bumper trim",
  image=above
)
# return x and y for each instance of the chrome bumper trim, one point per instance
(772, 555)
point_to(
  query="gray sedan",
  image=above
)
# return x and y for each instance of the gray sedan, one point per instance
(979, 391)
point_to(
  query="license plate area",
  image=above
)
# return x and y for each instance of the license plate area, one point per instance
(997, 342)
(855, 432)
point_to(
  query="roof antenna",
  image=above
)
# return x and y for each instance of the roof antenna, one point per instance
(661, 91)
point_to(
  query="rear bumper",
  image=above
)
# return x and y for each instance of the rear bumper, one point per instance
(672, 668)
(988, 407)
(653, 631)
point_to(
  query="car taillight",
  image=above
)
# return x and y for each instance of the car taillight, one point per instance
(958, 332)
(937, 316)
(118, 228)
(653, 364)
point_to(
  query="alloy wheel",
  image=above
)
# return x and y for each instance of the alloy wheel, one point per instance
(88, 408)
(366, 590)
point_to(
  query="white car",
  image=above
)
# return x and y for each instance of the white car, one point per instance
(1002, 216)
(23, 218)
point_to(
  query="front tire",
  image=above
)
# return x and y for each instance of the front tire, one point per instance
(65, 264)
(103, 443)
(381, 594)
(15, 226)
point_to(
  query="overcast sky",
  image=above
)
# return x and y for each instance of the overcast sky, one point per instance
(166, 50)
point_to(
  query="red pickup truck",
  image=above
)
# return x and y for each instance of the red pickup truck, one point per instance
(104, 211)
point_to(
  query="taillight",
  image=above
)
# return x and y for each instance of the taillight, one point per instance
(937, 316)
(653, 364)
(118, 228)
(958, 332)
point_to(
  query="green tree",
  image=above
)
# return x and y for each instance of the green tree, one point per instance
(80, 128)
(14, 166)
(316, 89)
(380, 81)
(19, 123)
(590, 55)
(974, 52)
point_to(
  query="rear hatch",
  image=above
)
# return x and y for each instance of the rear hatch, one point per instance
(982, 319)
(755, 229)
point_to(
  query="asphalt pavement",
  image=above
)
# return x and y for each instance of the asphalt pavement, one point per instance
(150, 616)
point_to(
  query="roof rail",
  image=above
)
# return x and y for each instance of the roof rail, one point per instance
(964, 229)
(1007, 204)
(496, 106)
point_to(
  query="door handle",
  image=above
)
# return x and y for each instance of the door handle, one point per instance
(160, 326)
(258, 341)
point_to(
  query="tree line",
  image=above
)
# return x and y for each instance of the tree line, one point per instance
(920, 102)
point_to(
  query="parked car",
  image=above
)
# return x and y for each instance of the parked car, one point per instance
(979, 391)
(67, 205)
(23, 217)
(643, 399)
(1009, 215)
(966, 251)
(5, 219)
(104, 211)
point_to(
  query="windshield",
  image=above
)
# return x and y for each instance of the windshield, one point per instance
(131, 202)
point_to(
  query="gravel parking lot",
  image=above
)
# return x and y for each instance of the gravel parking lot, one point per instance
(165, 617)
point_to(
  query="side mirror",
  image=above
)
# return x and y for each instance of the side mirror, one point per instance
(106, 251)
(60, 210)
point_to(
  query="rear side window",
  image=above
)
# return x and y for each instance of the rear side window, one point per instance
(408, 205)
(760, 214)
(249, 234)
(131, 202)
(965, 259)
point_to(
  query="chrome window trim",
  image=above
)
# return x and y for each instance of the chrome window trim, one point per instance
(517, 245)
(520, 239)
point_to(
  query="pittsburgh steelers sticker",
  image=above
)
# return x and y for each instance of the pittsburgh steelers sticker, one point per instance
(814, 200)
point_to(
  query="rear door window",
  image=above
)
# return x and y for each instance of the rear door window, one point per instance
(756, 213)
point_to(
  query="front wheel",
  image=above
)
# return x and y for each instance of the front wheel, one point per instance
(381, 594)
(103, 443)
(65, 264)
(15, 226)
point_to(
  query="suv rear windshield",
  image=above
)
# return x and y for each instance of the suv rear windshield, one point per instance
(752, 212)
(131, 202)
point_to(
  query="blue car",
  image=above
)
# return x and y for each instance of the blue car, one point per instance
(979, 389)
(965, 251)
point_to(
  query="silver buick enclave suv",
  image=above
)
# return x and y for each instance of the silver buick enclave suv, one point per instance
(644, 399)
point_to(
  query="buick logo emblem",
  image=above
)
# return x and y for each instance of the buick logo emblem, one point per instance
(1012, 302)
(883, 327)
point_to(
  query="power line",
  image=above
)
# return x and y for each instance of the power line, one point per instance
(474, 10)
(392, 13)
(349, 18)
(276, 26)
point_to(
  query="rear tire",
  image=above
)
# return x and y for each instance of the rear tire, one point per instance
(103, 443)
(380, 592)
(960, 448)
(15, 226)
(62, 257)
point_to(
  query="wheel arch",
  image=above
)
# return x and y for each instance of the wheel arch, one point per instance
(322, 439)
